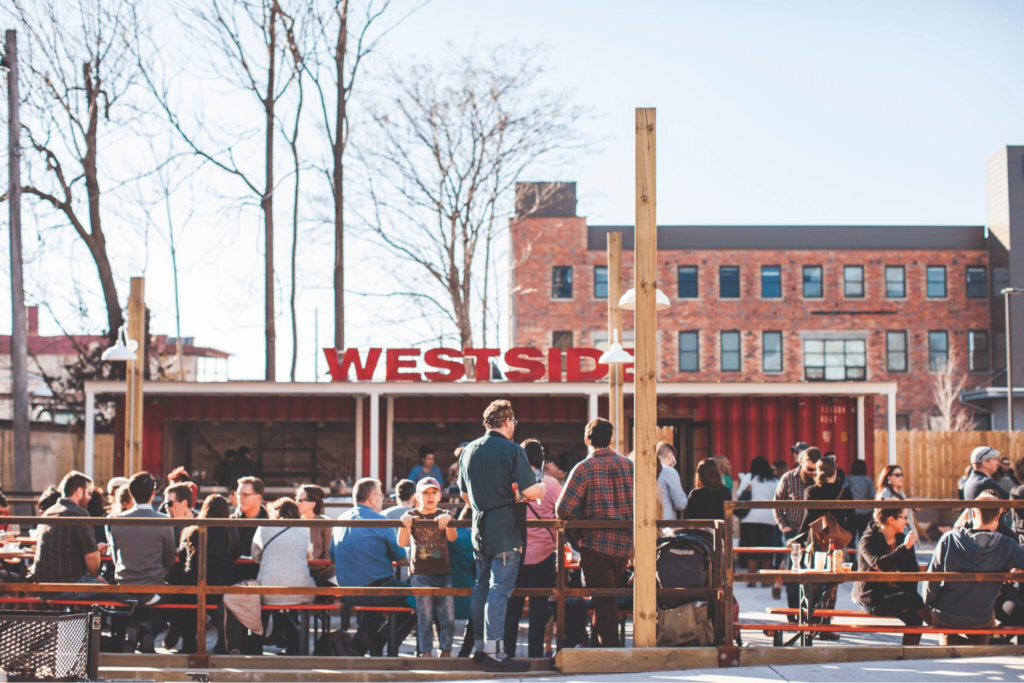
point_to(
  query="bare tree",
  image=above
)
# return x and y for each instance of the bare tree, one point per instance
(248, 38)
(78, 70)
(452, 140)
(947, 384)
(332, 66)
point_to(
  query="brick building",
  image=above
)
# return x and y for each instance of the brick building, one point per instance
(790, 303)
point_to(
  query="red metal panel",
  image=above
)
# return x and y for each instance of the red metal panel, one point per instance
(719, 426)
(754, 430)
(869, 434)
(153, 420)
(772, 427)
(703, 408)
(736, 428)
(366, 437)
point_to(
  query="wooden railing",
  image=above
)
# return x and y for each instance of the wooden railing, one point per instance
(714, 594)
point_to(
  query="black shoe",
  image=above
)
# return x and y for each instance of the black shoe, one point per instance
(146, 645)
(478, 657)
(171, 638)
(507, 665)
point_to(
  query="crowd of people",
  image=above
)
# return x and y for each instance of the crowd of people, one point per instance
(500, 485)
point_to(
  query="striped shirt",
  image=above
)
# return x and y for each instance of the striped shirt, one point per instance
(791, 487)
(600, 487)
(61, 550)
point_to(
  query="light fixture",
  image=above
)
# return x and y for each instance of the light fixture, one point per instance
(615, 355)
(628, 300)
(122, 351)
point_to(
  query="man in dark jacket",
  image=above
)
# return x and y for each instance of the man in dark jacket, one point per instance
(971, 604)
(984, 463)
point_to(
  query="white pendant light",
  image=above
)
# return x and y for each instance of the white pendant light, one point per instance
(615, 355)
(628, 300)
(121, 351)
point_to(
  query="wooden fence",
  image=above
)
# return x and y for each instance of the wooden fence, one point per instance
(933, 462)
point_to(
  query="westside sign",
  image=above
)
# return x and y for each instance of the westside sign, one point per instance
(526, 364)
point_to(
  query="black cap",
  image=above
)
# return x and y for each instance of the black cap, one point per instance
(798, 447)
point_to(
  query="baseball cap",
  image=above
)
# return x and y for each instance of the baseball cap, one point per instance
(982, 453)
(799, 447)
(427, 483)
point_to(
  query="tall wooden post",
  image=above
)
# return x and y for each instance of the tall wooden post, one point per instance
(133, 401)
(615, 403)
(645, 388)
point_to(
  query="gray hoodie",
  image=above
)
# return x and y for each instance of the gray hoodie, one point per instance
(969, 603)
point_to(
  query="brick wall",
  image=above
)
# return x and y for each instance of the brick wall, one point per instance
(539, 244)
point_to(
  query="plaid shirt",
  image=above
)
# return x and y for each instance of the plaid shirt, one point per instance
(600, 487)
(791, 487)
(61, 550)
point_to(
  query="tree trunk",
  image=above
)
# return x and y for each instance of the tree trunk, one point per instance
(338, 178)
(294, 144)
(267, 204)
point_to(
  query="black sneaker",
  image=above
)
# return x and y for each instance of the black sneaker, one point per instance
(478, 657)
(507, 665)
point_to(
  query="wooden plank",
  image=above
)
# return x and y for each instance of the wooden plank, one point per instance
(956, 651)
(782, 656)
(615, 395)
(133, 405)
(623, 660)
(645, 385)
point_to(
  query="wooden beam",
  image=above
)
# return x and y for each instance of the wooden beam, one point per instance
(136, 375)
(615, 396)
(645, 401)
(592, 660)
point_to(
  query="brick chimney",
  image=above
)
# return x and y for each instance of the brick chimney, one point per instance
(33, 319)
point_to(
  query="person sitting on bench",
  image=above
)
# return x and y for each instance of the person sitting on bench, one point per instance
(887, 546)
(971, 604)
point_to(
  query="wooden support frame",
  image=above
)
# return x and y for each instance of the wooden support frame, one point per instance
(645, 395)
(616, 403)
(135, 377)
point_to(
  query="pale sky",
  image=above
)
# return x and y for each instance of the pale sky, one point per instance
(768, 113)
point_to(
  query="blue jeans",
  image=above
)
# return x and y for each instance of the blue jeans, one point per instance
(429, 606)
(540, 575)
(495, 580)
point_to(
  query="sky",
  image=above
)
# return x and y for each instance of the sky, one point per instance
(797, 112)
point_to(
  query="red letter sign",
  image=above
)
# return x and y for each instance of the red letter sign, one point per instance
(482, 364)
(396, 363)
(575, 373)
(441, 359)
(339, 372)
(530, 362)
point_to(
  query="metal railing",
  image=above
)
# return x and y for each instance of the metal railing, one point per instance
(715, 594)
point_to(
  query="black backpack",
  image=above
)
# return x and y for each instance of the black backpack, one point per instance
(683, 561)
(336, 644)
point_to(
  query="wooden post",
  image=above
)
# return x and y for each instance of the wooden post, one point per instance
(201, 594)
(133, 401)
(559, 587)
(645, 388)
(615, 403)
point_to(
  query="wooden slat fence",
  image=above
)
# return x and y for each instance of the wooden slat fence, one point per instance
(933, 462)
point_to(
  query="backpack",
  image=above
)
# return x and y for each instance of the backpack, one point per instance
(683, 561)
(336, 644)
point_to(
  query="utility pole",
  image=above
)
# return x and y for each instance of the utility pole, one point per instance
(19, 328)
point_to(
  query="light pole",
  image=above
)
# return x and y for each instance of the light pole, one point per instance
(125, 350)
(1006, 292)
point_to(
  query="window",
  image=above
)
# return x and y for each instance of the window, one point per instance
(938, 351)
(688, 282)
(771, 282)
(729, 282)
(771, 352)
(561, 282)
(600, 282)
(835, 360)
(853, 282)
(895, 282)
(730, 351)
(812, 282)
(902, 423)
(936, 282)
(896, 351)
(977, 282)
(561, 340)
(977, 349)
(689, 351)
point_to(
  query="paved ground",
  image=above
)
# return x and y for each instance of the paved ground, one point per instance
(920, 671)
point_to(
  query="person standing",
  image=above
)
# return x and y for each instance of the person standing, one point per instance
(791, 487)
(426, 468)
(707, 499)
(984, 464)
(757, 529)
(861, 488)
(494, 475)
(601, 488)
(672, 495)
(310, 499)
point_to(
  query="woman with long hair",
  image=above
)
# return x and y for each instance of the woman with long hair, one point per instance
(890, 486)
(310, 500)
(222, 549)
(672, 494)
(725, 467)
(707, 499)
(827, 487)
(757, 529)
(888, 546)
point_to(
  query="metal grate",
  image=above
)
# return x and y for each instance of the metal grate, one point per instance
(44, 646)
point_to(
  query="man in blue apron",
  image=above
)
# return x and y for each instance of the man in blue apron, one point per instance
(494, 476)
